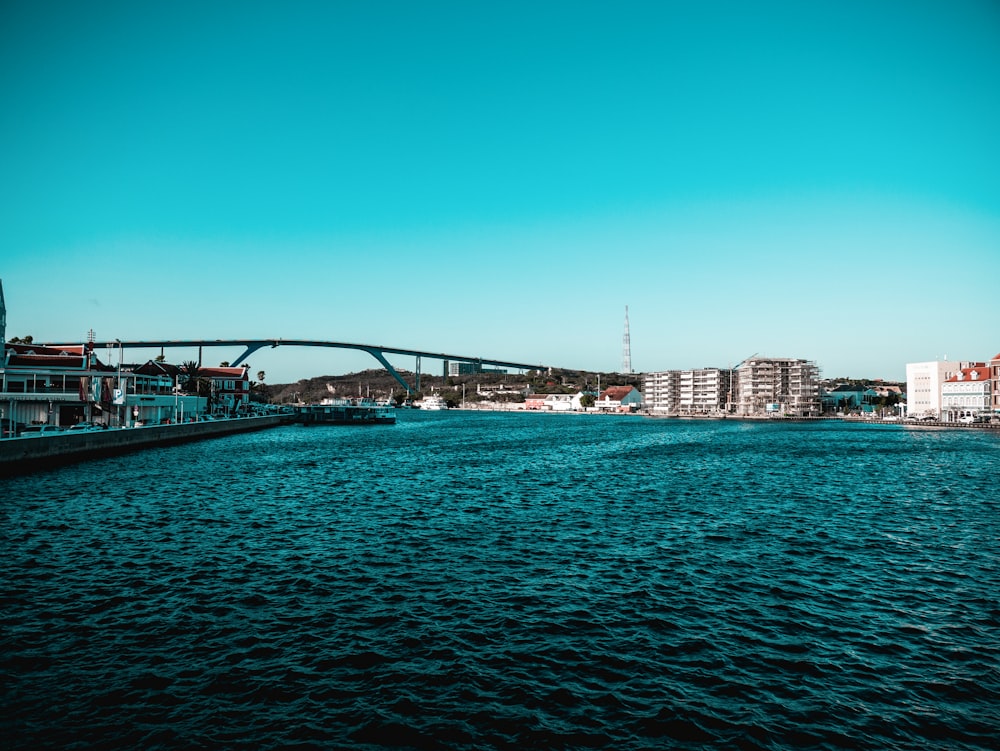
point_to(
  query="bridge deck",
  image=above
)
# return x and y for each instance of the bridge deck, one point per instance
(377, 351)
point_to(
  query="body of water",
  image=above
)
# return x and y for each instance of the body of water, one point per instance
(510, 581)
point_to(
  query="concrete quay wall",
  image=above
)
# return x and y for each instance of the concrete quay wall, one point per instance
(20, 456)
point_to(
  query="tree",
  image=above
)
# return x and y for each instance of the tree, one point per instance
(260, 385)
(194, 381)
(587, 401)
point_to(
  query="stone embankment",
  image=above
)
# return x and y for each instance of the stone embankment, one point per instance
(20, 456)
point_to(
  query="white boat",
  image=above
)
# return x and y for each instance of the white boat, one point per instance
(433, 402)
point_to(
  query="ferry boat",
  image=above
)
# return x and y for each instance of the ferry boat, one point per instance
(434, 401)
(344, 412)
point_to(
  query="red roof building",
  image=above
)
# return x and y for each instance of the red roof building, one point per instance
(619, 399)
(230, 387)
(995, 382)
(967, 394)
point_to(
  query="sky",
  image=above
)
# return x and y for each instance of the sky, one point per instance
(817, 180)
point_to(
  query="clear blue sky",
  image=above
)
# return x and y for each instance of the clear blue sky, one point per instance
(803, 179)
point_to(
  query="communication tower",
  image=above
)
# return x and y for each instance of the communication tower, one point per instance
(626, 347)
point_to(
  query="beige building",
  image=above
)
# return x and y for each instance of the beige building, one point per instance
(923, 385)
(776, 386)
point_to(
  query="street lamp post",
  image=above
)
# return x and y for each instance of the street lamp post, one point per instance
(120, 396)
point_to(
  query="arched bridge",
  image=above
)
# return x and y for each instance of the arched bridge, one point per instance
(377, 351)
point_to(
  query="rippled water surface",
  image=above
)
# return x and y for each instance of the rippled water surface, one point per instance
(510, 581)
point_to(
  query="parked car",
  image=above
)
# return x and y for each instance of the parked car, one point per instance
(11, 431)
(37, 431)
(84, 426)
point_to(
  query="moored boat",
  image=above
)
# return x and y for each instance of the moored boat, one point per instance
(345, 412)
(434, 401)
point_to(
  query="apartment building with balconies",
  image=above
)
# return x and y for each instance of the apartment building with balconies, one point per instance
(704, 392)
(776, 386)
(661, 391)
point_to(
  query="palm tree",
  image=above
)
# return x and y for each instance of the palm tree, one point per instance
(195, 382)
(263, 389)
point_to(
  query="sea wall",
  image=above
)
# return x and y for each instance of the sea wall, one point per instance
(26, 455)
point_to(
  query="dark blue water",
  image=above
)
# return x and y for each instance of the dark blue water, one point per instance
(510, 581)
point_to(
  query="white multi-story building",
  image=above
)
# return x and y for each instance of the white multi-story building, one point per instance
(777, 386)
(701, 392)
(662, 392)
(968, 393)
(923, 385)
(704, 391)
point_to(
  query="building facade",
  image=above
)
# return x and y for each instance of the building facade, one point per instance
(704, 392)
(777, 387)
(923, 385)
(66, 385)
(619, 399)
(995, 383)
(230, 388)
(967, 394)
(662, 392)
(453, 368)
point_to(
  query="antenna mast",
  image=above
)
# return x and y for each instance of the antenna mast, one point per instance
(626, 347)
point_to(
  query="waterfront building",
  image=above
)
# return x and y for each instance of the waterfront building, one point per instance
(502, 390)
(230, 388)
(923, 385)
(563, 402)
(554, 402)
(776, 386)
(662, 392)
(849, 398)
(967, 394)
(619, 399)
(704, 392)
(63, 385)
(995, 382)
(535, 401)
